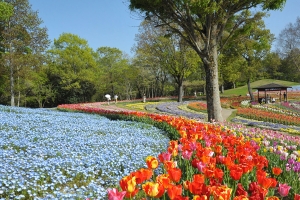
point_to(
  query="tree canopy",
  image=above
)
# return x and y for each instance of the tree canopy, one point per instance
(201, 24)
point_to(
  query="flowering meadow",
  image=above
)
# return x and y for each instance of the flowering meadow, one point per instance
(47, 154)
(212, 161)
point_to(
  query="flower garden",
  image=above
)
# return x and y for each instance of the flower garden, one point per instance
(171, 154)
(47, 154)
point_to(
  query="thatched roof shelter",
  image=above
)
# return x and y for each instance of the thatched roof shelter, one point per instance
(272, 87)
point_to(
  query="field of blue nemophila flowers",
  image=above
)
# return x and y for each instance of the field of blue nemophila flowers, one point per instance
(47, 154)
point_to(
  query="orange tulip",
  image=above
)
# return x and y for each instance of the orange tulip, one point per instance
(173, 147)
(266, 182)
(202, 197)
(142, 175)
(175, 174)
(208, 172)
(221, 192)
(276, 170)
(186, 184)
(218, 149)
(152, 162)
(197, 186)
(241, 197)
(164, 180)
(150, 188)
(272, 198)
(174, 191)
(199, 178)
(128, 183)
(219, 174)
(169, 165)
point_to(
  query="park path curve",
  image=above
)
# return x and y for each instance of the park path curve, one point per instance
(226, 112)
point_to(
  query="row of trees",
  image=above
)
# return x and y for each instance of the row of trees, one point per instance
(171, 58)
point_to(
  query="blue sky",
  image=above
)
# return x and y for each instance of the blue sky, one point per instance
(110, 23)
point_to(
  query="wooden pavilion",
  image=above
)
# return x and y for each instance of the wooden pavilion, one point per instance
(272, 87)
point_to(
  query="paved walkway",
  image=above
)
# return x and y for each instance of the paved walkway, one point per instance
(226, 113)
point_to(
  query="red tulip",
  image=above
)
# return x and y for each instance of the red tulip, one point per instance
(236, 172)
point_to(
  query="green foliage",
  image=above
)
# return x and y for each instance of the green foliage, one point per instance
(202, 25)
(169, 52)
(6, 10)
(117, 74)
(72, 70)
(22, 43)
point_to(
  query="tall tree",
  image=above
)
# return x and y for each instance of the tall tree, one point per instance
(169, 52)
(202, 24)
(6, 11)
(22, 39)
(288, 43)
(249, 45)
(116, 72)
(272, 63)
(72, 69)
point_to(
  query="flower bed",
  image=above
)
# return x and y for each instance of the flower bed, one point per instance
(172, 108)
(268, 116)
(211, 160)
(62, 155)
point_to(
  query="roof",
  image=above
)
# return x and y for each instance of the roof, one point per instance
(272, 86)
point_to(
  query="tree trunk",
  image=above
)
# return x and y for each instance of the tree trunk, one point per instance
(214, 109)
(12, 93)
(19, 93)
(180, 92)
(12, 86)
(249, 90)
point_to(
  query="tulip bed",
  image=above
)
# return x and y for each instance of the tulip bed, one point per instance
(284, 117)
(233, 102)
(212, 161)
(269, 116)
(46, 154)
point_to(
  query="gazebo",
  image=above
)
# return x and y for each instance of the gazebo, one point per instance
(271, 88)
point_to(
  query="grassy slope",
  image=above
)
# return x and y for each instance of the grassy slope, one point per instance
(243, 90)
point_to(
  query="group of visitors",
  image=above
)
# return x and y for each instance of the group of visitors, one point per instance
(270, 99)
(108, 97)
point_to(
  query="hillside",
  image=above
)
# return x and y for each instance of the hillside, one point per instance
(243, 90)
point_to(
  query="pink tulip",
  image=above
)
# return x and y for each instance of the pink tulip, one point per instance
(201, 166)
(114, 194)
(187, 154)
(166, 156)
(284, 189)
